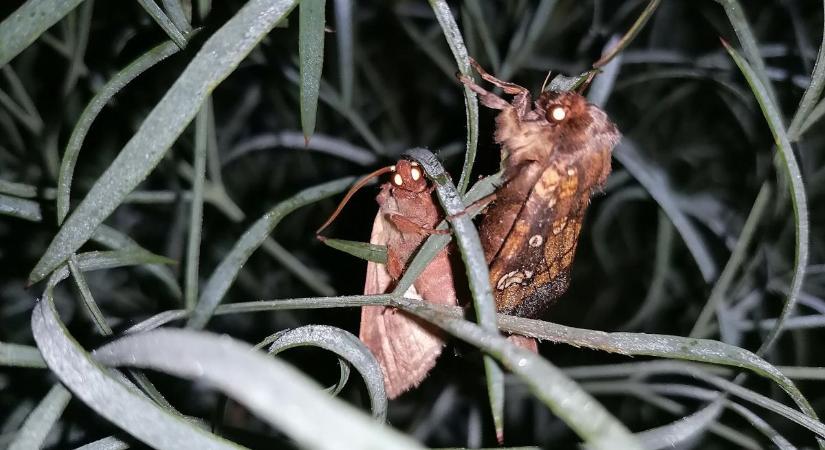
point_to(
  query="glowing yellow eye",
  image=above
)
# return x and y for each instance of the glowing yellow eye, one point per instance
(397, 180)
(558, 114)
(415, 174)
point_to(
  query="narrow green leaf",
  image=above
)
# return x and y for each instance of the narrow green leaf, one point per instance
(214, 62)
(311, 23)
(28, 22)
(227, 270)
(362, 250)
(89, 114)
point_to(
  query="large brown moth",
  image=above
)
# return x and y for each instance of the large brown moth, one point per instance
(555, 153)
(405, 347)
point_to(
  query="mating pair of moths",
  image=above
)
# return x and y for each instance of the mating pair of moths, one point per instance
(555, 153)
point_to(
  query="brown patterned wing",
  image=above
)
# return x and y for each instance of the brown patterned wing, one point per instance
(533, 264)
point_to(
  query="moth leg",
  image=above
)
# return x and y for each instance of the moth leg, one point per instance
(406, 225)
(476, 206)
(486, 97)
(506, 86)
(521, 101)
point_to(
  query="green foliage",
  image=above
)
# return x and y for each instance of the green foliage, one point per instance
(702, 260)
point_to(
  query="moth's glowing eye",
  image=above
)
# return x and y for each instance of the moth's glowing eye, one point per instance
(397, 180)
(415, 174)
(558, 113)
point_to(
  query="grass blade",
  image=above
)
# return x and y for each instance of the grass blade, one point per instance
(311, 23)
(89, 114)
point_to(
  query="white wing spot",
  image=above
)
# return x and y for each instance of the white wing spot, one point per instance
(536, 240)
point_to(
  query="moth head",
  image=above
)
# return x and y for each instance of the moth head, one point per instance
(409, 176)
(561, 107)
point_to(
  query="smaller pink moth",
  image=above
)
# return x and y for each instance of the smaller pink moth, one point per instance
(405, 347)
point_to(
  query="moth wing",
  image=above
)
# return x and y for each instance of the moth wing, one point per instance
(545, 235)
(406, 348)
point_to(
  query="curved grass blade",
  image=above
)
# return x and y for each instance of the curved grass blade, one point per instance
(311, 23)
(346, 346)
(41, 420)
(28, 22)
(273, 390)
(89, 114)
(107, 395)
(214, 62)
(457, 47)
(795, 185)
(228, 269)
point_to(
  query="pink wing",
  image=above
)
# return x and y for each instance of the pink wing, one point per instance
(405, 347)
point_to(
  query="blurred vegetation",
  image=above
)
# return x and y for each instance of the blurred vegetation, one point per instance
(706, 246)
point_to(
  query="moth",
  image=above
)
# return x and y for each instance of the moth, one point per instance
(405, 347)
(555, 153)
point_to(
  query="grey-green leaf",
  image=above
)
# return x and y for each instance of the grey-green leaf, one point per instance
(311, 22)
